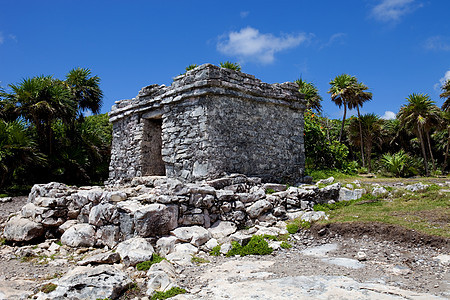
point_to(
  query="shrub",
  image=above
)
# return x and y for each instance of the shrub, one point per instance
(215, 251)
(400, 164)
(199, 260)
(48, 288)
(292, 228)
(256, 246)
(230, 65)
(270, 191)
(285, 245)
(145, 265)
(191, 67)
(168, 294)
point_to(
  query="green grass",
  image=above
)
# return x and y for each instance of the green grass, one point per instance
(427, 212)
(168, 294)
(145, 265)
(215, 251)
(324, 174)
(48, 288)
(285, 245)
(199, 260)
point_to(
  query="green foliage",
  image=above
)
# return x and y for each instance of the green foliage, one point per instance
(312, 97)
(270, 191)
(2, 241)
(256, 246)
(168, 294)
(199, 260)
(400, 164)
(215, 251)
(230, 65)
(191, 67)
(145, 265)
(321, 151)
(48, 288)
(285, 245)
(292, 228)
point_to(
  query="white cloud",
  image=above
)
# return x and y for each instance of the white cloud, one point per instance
(244, 14)
(334, 39)
(388, 115)
(249, 43)
(1, 38)
(393, 10)
(438, 43)
(13, 37)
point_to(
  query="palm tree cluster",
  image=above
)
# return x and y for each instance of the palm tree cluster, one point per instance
(45, 135)
(420, 127)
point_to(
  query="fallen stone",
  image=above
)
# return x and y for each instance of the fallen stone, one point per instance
(258, 208)
(101, 258)
(379, 191)
(155, 219)
(79, 235)
(99, 282)
(165, 245)
(134, 251)
(18, 229)
(329, 180)
(222, 229)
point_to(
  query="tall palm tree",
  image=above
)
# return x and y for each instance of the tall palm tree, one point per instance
(360, 95)
(446, 108)
(419, 115)
(312, 97)
(341, 91)
(41, 100)
(85, 90)
(366, 129)
(446, 95)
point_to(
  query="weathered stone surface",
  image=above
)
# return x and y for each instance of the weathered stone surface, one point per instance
(417, 187)
(135, 250)
(259, 207)
(22, 230)
(98, 282)
(103, 214)
(108, 235)
(208, 122)
(155, 219)
(346, 194)
(379, 191)
(101, 258)
(79, 235)
(222, 229)
(241, 238)
(165, 245)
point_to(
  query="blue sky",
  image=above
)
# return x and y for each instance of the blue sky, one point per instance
(396, 47)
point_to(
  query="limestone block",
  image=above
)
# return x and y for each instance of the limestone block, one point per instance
(134, 251)
(258, 208)
(79, 235)
(155, 219)
(22, 230)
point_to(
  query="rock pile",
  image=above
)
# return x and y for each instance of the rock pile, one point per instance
(154, 206)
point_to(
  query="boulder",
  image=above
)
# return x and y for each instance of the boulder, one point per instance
(108, 235)
(222, 229)
(195, 235)
(101, 258)
(103, 214)
(134, 251)
(99, 282)
(155, 219)
(346, 194)
(329, 180)
(379, 191)
(258, 208)
(79, 235)
(18, 229)
(165, 245)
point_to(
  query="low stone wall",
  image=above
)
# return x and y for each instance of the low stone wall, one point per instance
(153, 206)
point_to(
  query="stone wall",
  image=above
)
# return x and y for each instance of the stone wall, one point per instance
(214, 121)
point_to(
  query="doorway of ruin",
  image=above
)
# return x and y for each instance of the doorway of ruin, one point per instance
(152, 163)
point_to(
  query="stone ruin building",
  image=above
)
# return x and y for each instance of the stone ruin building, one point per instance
(211, 121)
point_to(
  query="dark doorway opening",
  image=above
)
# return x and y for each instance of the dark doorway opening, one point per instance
(152, 163)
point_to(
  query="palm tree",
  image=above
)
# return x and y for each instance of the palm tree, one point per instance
(366, 129)
(41, 100)
(312, 97)
(360, 95)
(446, 94)
(446, 108)
(85, 90)
(341, 91)
(419, 115)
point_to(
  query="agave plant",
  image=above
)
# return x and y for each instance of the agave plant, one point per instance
(230, 65)
(400, 164)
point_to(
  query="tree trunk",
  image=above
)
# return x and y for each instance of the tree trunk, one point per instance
(431, 152)
(343, 121)
(361, 138)
(446, 150)
(422, 146)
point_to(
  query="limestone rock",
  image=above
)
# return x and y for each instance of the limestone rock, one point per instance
(329, 180)
(108, 235)
(379, 191)
(101, 258)
(222, 229)
(134, 251)
(257, 208)
(346, 194)
(103, 214)
(155, 219)
(195, 235)
(22, 230)
(98, 282)
(79, 235)
(165, 245)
